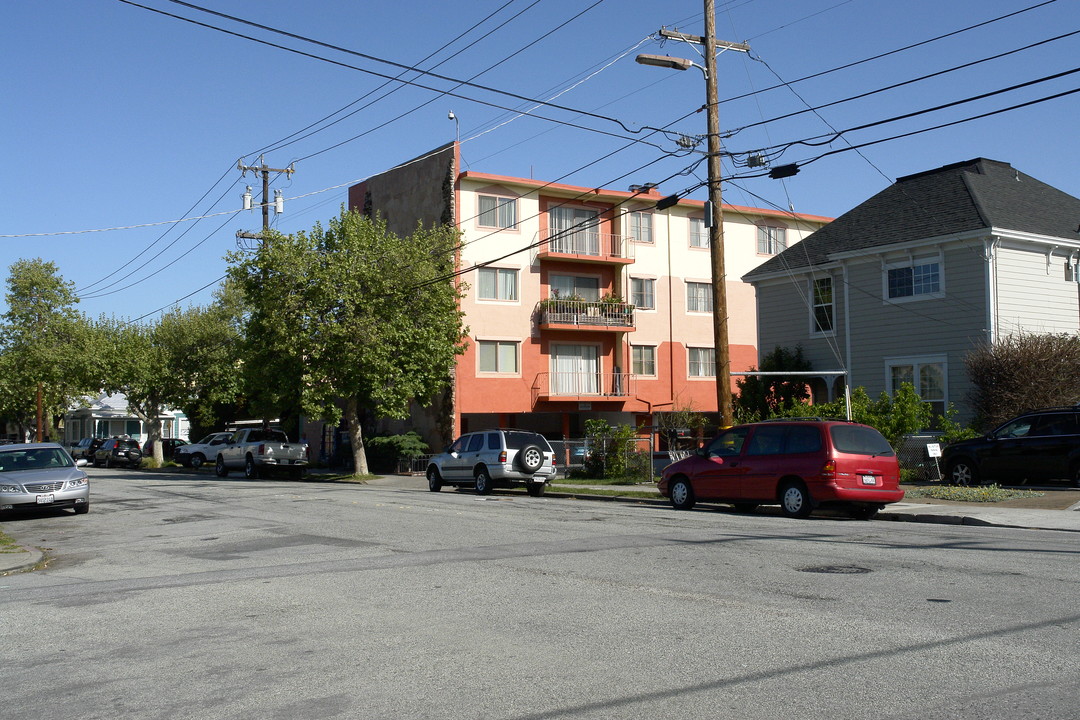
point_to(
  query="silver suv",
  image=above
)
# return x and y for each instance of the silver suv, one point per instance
(491, 458)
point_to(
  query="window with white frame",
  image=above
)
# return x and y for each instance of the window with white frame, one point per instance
(643, 360)
(699, 297)
(926, 374)
(497, 284)
(642, 294)
(498, 212)
(912, 279)
(771, 240)
(823, 305)
(702, 362)
(586, 288)
(699, 234)
(639, 226)
(498, 356)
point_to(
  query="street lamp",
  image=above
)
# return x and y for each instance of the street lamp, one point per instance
(716, 213)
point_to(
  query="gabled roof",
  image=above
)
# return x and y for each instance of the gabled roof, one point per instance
(961, 198)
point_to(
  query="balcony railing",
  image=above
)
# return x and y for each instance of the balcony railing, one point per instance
(576, 313)
(582, 386)
(587, 244)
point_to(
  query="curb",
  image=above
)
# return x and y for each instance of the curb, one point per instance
(16, 565)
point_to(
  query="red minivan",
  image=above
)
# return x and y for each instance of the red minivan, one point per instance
(800, 464)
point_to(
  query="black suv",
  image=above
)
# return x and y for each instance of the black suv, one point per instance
(119, 451)
(1039, 445)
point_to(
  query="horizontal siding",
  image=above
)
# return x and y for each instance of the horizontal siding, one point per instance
(1033, 296)
(784, 321)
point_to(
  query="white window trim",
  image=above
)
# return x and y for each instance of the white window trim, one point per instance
(652, 226)
(909, 262)
(496, 301)
(630, 299)
(655, 361)
(501, 196)
(487, 373)
(686, 296)
(783, 231)
(700, 378)
(690, 233)
(814, 332)
(915, 361)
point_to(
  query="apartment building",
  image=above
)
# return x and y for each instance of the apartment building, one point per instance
(581, 302)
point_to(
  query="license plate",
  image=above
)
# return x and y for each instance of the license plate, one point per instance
(869, 480)
(45, 499)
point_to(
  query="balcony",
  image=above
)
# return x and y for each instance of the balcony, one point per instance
(585, 245)
(582, 387)
(557, 314)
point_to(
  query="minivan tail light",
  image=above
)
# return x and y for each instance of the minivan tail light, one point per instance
(502, 456)
(828, 470)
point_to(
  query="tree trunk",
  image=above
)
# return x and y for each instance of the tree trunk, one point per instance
(352, 415)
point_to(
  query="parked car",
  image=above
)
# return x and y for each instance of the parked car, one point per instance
(1039, 445)
(257, 451)
(119, 451)
(494, 458)
(86, 448)
(196, 454)
(168, 447)
(800, 464)
(42, 475)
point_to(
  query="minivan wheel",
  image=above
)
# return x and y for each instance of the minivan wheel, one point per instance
(962, 472)
(434, 482)
(682, 494)
(483, 482)
(795, 500)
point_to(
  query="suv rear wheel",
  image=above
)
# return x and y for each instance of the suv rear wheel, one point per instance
(536, 489)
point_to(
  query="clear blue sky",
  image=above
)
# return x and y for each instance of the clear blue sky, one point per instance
(118, 116)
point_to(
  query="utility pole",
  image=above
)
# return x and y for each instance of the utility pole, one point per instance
(715, 211)
(279, 201)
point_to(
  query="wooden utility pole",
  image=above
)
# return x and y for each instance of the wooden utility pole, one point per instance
(264, 171)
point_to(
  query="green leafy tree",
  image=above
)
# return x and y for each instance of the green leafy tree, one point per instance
(351, 320)
(894, 416)
(45, 343)
(760, 396)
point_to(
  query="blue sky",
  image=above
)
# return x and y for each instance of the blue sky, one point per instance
(117, 116)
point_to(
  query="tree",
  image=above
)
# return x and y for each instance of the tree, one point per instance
(351, 319)
(1022, 372)
(760, 396)
(44, 345)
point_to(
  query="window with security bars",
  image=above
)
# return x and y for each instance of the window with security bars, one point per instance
(499, 212)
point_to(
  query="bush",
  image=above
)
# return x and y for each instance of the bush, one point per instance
(384, 452)
(613, 452)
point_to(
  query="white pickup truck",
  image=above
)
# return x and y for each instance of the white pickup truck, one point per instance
(256, 450)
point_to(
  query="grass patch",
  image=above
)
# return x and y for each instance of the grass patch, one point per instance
(7, 544)
(570, 489)
(980, 493)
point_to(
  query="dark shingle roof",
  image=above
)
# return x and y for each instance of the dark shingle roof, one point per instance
(959, 198)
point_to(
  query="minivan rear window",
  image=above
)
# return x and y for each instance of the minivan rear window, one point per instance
(860, 440)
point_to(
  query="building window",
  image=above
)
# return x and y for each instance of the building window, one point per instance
(771, 240)
(699, 234)
(914, 280)
(643, 360)
(702, 362)
(925, 374)
(498, 356)
(698, 297)
(823, 305)
(640, 226)
(498, 284)
(641, 293)
(567, 286)
(498, 212)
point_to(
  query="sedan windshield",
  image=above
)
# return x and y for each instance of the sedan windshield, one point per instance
(34, 459)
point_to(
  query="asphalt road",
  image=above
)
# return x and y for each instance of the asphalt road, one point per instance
(192, 597)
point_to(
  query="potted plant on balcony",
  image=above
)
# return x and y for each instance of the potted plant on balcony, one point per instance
(615, 310)
(561, 308)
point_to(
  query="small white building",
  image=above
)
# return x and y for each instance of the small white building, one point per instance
(109, 415)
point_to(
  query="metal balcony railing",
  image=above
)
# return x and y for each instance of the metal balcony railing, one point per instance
(585, 242)
(583, 312)
(574, 385)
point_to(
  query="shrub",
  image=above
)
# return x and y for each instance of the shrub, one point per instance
(383, 452)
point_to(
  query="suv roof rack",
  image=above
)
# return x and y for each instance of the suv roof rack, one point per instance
(807, 419)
